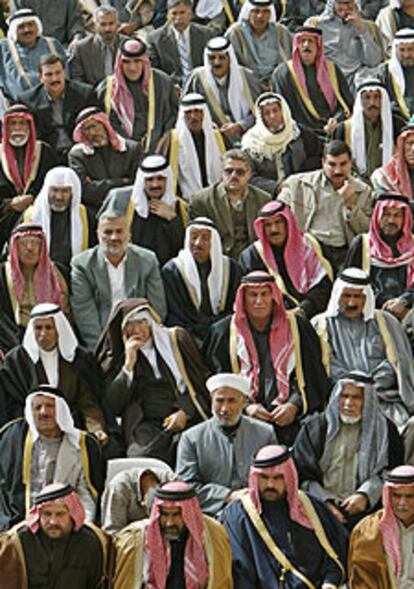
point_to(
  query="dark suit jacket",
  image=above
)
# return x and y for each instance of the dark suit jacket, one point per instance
(163, 49)
(88, 61)
(77, 97)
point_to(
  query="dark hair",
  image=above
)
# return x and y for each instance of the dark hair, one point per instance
(238, 154)
(50, 59)
(172, 3)
(336, 147)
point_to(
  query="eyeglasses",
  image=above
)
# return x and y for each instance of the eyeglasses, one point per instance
(238, 171)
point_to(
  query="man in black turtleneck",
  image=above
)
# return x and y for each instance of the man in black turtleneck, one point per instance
(387, 253)
(281, 537)
(215, 455)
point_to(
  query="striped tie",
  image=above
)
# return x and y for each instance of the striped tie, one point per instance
(185, 58)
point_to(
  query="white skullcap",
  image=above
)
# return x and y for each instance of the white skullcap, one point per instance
(229, 380)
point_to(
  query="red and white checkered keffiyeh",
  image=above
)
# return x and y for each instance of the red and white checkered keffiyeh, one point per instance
(280, 339)
(79, 137)
(288, 470)
(158, 551)
(72, 501)
(395, 175)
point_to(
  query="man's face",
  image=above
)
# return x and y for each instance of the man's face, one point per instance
(220, 63)
(343, 8)
(52, 77)
(391, 221)
(272, 116)
(337, 168)
(272, 488)
(194, 119)
(200, 244)
(259, 19)
(44, 416)
(236, 175)
(95, 133)
(308, 49)
(180, 16)
(106, 25)
(154, 186)
(405, 53)
(28, 250)
(139, 329)
(46, 333)
(59, 198)
(227, 405)
(409, 150)
(132, 68)
(402, 504)
(171, 522)
(27, 32)
(113, 236)
(18, 130)
(371, 104)
(55, 520)
(258, 302)
(351, 402)
(351, 302)
(276, 231)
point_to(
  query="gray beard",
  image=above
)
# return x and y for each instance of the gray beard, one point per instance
(348, 420)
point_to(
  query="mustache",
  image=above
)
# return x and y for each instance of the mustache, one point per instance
(351, 307)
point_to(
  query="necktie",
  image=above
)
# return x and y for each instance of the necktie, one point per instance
(108, 56)
(184, 56)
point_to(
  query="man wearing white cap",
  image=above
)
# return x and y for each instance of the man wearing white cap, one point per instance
(156, 217)
(383, 349)
(259, 41)
(43, 448)
(200, 283)
(229, 88)
(216, 455)
(20, 53)
(397, 74)
(195, 147)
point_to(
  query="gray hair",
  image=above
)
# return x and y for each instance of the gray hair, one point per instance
(172, 3)
(103, 10)
(238, 154)
(111, 214)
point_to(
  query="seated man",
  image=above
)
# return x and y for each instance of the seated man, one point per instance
(381, 545)
(155, 383)
(314, 88)
(295, 260)
(128, 496)
(134, 15)
(194, 147)
(177, 47)
(397, 74)
(110, 272)
(27, 278)
(351, 42)
(140, 101)
(200, 283)
(229, 89)
(20, 53)
(277, 350)
(56, 521)
(260, 43)
(372, 129)
(50, 354)
(397, 175)
(231, 204)
(394, 16)
(177, 547)
(386, 253)
(355, 336)
(93, 57)
(281, 537)
(102, 158)
(24, 162)
(343, 211)
(230, 435)
(68, 227)
(277, 146)
(342, 454)
(156, 217)
(57, 101)
(43, 448)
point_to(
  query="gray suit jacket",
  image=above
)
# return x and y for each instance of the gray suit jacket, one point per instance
(88, 61)
(214, 479)
(91, 290)
(163, 49)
